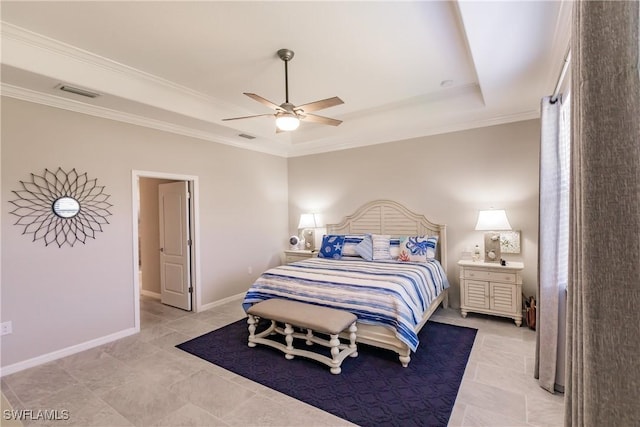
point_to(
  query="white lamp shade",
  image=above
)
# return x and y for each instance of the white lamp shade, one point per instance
(493, 220)
(307, 220)
(287, 121)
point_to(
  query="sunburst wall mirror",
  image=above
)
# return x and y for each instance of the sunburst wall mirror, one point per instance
(61, 207)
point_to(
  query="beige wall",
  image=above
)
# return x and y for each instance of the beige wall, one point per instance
(446, 177)
(61, 297)
(249, 203)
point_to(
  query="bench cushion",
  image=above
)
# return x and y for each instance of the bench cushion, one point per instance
(314, 317)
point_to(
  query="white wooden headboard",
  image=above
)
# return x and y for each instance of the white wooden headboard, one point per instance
(389, 217)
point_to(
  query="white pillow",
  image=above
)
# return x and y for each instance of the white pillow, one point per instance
(394, 247)
(381, 247)
(350, 243)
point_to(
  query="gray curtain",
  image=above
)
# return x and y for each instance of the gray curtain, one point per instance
(553, 241)
(603, 362)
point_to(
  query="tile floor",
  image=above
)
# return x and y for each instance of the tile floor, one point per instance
(143, 380)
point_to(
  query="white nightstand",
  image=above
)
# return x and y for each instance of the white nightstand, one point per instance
(293, 256)
(491, 288)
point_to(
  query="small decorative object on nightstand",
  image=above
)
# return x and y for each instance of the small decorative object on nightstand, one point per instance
(491, 288)
(293, 256)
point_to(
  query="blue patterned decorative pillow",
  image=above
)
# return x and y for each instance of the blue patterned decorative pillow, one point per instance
(350, 243)
(332, 245)
(418, 248)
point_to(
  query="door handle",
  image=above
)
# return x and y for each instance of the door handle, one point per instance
(161, 249)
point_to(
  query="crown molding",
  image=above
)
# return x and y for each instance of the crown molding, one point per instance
(25, 47)
(29, 38)
(106, 113)
(306, 150)
(296, 150)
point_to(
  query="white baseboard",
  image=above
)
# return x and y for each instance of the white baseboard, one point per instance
(68, 351)
(150, 294)
(220, 302)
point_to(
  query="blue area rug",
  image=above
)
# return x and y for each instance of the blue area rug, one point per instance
(373, 388)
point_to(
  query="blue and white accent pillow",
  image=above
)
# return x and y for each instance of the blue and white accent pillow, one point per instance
(332, 245)
(418, 248)
(375, 247)
(365, 248)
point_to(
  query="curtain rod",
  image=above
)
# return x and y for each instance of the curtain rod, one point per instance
(565, 66)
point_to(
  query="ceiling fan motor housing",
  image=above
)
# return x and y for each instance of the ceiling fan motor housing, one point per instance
(286, 54)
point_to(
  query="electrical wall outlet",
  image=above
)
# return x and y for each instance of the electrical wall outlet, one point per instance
(6, 328)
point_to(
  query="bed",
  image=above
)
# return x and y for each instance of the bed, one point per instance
(370, 288)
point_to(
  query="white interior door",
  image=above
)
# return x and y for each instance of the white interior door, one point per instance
(175, 253)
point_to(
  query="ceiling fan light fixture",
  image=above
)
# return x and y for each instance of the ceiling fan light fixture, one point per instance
(287, 121)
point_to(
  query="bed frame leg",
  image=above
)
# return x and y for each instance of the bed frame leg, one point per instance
(405, 359)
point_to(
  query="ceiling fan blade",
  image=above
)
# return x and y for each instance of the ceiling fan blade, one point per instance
(247, 117)
(263, 101)
(320, 119)
(319, 105)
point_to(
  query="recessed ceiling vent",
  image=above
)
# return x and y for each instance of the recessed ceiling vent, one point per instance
(244, 135)
(78, 91)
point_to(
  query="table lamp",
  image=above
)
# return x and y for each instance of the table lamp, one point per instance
(492, 221)
(307, 227)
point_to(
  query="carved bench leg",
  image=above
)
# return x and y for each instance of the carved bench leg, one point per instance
(352, 339)
(251, 320)
(334, 342)
(288, 331)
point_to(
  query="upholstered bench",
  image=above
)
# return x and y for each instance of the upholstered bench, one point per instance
(306, 316)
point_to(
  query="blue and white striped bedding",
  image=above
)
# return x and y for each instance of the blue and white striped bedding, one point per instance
(387, 293)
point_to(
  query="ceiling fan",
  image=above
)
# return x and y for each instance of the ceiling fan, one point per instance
(287, 115)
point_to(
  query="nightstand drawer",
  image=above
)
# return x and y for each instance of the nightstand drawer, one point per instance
(476, 274)
(490, 276)
(502, 277)
(293, 256)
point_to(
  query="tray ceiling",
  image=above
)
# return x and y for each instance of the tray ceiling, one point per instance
(403, 69)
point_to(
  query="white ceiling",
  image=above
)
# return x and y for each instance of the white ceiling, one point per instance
(183, 66)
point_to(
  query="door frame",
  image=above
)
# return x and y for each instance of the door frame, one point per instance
(194, 188)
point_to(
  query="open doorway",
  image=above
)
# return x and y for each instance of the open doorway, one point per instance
(166, 253)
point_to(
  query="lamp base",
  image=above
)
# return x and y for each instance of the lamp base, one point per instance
(309, 235)
(492, 247)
